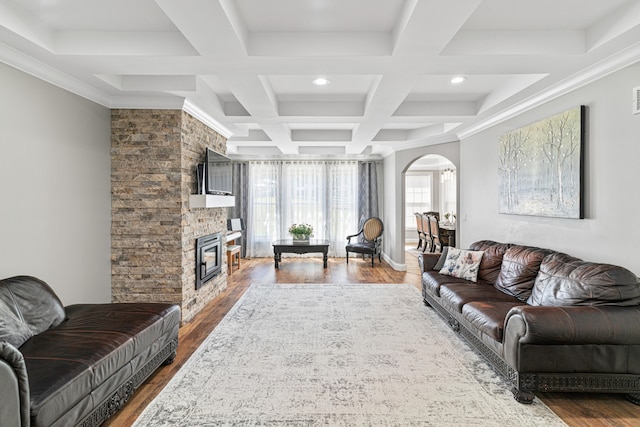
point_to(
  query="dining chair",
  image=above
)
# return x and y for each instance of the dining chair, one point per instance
(433, 213)
(427, 233)
(436, 239)
(421, 237)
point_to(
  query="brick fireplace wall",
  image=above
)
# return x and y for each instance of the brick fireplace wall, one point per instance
(154, 154)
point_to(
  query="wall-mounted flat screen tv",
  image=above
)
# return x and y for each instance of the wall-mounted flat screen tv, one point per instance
(218, 173)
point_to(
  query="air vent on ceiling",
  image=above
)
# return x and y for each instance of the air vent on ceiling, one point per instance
(636, 100)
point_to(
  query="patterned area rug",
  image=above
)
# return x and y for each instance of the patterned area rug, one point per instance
(337, 355)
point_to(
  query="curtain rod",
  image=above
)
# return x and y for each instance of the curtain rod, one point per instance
(308, 157)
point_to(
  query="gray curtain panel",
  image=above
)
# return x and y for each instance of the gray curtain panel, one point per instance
(368, 191)
(241, 193)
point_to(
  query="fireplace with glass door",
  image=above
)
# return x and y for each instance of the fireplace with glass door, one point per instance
(208, 258)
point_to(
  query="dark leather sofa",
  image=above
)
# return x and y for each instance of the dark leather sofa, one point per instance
(545, 320)
(75, 365)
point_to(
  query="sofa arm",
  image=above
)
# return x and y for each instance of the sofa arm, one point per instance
(573, 325)
(14, 387)
(427, 261)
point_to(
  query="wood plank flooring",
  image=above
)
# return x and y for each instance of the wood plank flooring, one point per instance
(577, 410)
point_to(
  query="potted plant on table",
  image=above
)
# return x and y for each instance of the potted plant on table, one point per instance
(301, 232)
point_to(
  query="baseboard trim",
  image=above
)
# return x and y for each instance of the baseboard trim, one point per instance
(396, 266)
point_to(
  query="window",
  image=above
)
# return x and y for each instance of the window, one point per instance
(322, 194)
(418, 196)
(448, 191)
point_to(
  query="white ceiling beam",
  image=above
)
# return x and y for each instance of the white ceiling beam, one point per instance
(121, 43)
(436, 109)
(391, 135)
(428, 26)
(514, 85)
(253, 92)
(229, 7)
(24, 24)
(252, 135)
(206, 26)
(568, 42)
(257, 97)
(426, 132)
(283, 44)
(425, 27)
(159, 83)
(320, 109)
(388, 93)
(325, 150)
(614, 25)
(320, 135)
(235, 109)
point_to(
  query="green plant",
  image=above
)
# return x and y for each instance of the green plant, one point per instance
(301, 229)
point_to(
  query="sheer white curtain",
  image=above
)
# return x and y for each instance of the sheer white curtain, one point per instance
(304, 186)
(343, 204)
(322, 194)
(263, 207)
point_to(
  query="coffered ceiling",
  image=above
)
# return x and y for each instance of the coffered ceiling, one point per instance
(246, 66)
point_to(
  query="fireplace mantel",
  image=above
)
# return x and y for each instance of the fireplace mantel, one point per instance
(210, 201)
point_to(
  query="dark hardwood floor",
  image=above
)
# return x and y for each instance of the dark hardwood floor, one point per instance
(592, 410)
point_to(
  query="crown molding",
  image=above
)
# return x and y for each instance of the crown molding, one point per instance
(42, 71)
(205, 118)
(20, 61)
(588, 75)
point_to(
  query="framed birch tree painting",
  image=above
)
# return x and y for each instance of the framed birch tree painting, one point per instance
(541, 167)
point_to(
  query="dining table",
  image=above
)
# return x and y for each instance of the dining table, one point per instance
(448, 232)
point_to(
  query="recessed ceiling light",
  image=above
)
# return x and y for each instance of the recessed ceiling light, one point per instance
(320, 81)
(458, 79)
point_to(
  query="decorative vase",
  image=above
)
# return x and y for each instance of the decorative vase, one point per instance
(300, 238)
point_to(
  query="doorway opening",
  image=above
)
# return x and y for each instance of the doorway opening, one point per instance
(430, 185)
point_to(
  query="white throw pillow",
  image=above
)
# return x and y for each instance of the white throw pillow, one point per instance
(462, 263)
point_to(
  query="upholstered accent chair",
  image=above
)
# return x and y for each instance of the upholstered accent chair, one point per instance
(367, 241)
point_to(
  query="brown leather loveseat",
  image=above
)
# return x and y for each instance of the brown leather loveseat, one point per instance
(545, 320)
(75, 365)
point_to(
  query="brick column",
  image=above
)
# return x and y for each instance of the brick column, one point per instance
(154, 154)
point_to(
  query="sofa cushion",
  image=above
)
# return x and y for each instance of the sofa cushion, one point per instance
(33, 301)
(462, 263)
(564, 280)
(456, 295)
(520, 266)
(489, 316)
(491, 259)
(12, 329)
(69, 361)
(432, 281)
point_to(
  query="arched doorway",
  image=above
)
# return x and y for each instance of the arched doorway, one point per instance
(429, 185)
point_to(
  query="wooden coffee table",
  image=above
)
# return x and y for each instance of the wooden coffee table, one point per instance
(291, 247)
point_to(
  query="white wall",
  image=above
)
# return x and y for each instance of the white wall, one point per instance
(395, 165)
(610, 231)
(55, 201)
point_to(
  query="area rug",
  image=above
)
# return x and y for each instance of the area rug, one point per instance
(337, 355)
